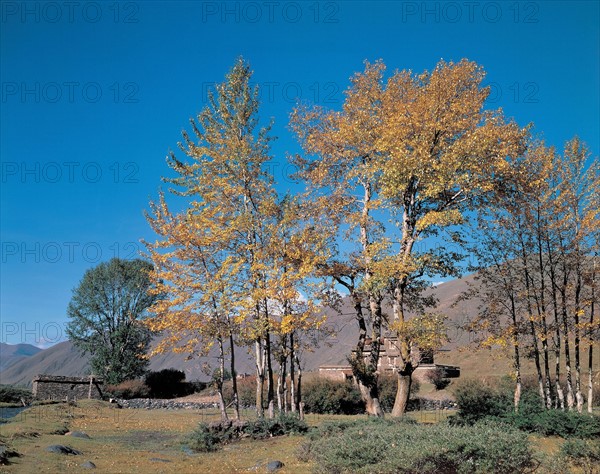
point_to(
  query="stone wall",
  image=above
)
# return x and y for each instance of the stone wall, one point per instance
(54, 387)
(421, 373)
(339, 373)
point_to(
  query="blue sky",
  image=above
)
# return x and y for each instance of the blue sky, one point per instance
(95, 94)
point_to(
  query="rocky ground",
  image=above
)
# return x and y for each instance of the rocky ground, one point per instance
(161, 404)
(197, 402)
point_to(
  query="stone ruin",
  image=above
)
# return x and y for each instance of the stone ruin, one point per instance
(57, 387)
(389, 360)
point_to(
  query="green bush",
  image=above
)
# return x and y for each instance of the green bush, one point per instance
(561, 423)
(392, 447)
(324, 396)
(584, 454)
(477, 400)
(209, 437)
(167, 383)
(14, 394)
(284, 424)
(203, 439)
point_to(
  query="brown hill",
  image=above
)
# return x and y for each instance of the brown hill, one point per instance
(64, 359)
(13, 353)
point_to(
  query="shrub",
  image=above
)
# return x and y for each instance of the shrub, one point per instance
(14, 394)
(128, 389)
(206, 438)
(556, 423)
(436, 377)
(324, 396)
(391, 447)
(284, 424)
(203, 439)
(292, 424)
(583, 454)
(167, 383)
(477, 400)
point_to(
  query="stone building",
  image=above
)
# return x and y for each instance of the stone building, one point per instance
(388, 363)
(57, 387)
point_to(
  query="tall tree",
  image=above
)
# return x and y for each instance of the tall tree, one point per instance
(577, 227)
(236, 251)
(230, 201)
(418, 150)
(441, 152)
(105, 317)
(541, 231)
(341, 176)
(192, 271)
(507, 248)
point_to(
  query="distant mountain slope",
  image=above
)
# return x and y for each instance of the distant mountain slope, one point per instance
(60, 359)
(12, 353)
(64, 359)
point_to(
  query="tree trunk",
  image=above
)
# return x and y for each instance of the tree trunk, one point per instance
(541, 304)
(365, 386)
(270, 382)
(578, 394)
(536, 356)
(293, 403)
(560, 397)
(517, 361)
(570, 394)
(221, 379)
(407, 369)
(299, 402)
(260, 378)
(403, 392)
(590, 399)
(281, 378)
(236, 398)
(371, 397)
(374, 405)
(367, 381)
(534, 338)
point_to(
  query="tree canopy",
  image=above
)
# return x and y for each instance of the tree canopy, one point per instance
(105, 317)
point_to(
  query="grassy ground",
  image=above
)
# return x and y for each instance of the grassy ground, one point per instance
(134, 441)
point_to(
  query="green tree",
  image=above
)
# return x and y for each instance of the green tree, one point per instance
(104, 318)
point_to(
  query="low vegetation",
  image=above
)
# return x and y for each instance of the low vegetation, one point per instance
(14, 395)
(210, 437)
(392, 446)
(132, 440)
(166, 383)
(479, 401)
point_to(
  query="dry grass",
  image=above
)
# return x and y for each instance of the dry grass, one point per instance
(126, 441)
